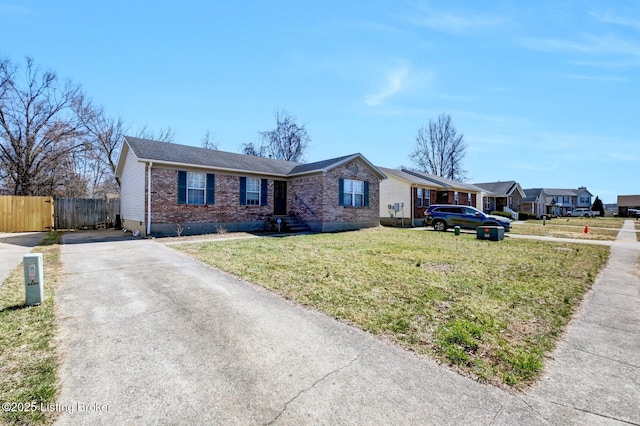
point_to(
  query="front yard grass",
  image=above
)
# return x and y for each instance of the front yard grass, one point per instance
(490, 309)
(28, 357)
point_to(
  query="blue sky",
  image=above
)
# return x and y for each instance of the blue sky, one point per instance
(546, 93)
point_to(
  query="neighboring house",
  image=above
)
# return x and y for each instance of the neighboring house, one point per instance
(406, 194)
(626, 202)
(166, 187)
(559, 202)
(501, 195)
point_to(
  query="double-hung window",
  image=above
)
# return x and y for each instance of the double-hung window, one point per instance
(419, 197)
(427, 198)
(196, 188)
(196, 184)
(353, 193)
(253, 192)
(469, 203)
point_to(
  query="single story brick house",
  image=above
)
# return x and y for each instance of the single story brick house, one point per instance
(406, 194)
(166, 187)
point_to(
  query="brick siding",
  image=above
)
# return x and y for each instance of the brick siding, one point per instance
(313, 198)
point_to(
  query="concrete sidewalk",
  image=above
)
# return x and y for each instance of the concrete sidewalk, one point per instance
(594, 374)
(13, 247)
(152, 336)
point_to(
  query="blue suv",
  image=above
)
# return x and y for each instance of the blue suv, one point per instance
(443, 216)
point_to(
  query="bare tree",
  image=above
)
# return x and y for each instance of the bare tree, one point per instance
(439, 149)
(251, 148)
(208, 141)
(104, 134)
(288, 141)
(167, 135)
(38, 130)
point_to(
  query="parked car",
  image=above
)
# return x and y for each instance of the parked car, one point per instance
(443, 216)
(634, 213)
(583, 212)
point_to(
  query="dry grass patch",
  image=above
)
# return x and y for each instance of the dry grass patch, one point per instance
(28, 358)
(598, 228)
(492, 309)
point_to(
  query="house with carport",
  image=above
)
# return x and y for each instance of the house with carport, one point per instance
(627, 202)
(168, 188)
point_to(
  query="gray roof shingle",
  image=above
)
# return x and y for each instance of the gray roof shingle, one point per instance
(146, 149)
(498, 188)
(190, 155)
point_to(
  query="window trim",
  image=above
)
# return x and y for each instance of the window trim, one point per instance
(208, 190)
(252, 201)
(342, 193)
(202, 178)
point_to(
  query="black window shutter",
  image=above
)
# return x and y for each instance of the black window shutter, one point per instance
(263, 192)
(243, 191)
(366, 193)
(341, 192)
(211, 188)
(182, 187)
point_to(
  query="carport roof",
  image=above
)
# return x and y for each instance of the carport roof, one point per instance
(628, 200)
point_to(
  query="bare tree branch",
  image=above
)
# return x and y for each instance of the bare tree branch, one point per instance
(208, 141)
(37, 128)
(440, 150)
(288, 141)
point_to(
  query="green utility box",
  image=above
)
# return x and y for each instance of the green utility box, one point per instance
(493, 233)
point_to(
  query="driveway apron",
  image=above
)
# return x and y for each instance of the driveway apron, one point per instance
(13, 247)
(151, 336)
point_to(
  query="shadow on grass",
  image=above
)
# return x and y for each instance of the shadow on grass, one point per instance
(14, 308)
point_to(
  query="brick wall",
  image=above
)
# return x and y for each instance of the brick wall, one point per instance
(227, 208)
(338, 217)
(313, 198)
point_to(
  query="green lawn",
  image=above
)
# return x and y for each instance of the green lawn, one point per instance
(490, 309)
(28, 357)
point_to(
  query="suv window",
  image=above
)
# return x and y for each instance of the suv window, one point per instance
(457, 210)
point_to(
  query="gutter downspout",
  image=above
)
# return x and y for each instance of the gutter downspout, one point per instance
(411, 199)
(149, 197)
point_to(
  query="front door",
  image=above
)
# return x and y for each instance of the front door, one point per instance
(279, 197)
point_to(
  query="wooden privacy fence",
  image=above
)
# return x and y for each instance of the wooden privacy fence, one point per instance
(78, 213)
(26, 214)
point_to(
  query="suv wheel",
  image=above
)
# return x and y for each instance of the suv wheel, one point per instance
(440, 225)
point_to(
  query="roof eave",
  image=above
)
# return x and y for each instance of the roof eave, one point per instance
(199, 166)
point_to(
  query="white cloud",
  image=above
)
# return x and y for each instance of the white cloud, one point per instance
(597, 78)
(12, 9)
(608, 18)
(590, 44)
(456, 23)
(396, 81)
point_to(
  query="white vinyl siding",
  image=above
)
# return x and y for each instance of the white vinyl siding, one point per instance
(132, 189)
(393, 190)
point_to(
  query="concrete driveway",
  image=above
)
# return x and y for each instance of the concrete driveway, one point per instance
(13, 247)
(152, 336)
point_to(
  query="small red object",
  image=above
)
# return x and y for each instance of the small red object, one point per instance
(586, 229)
